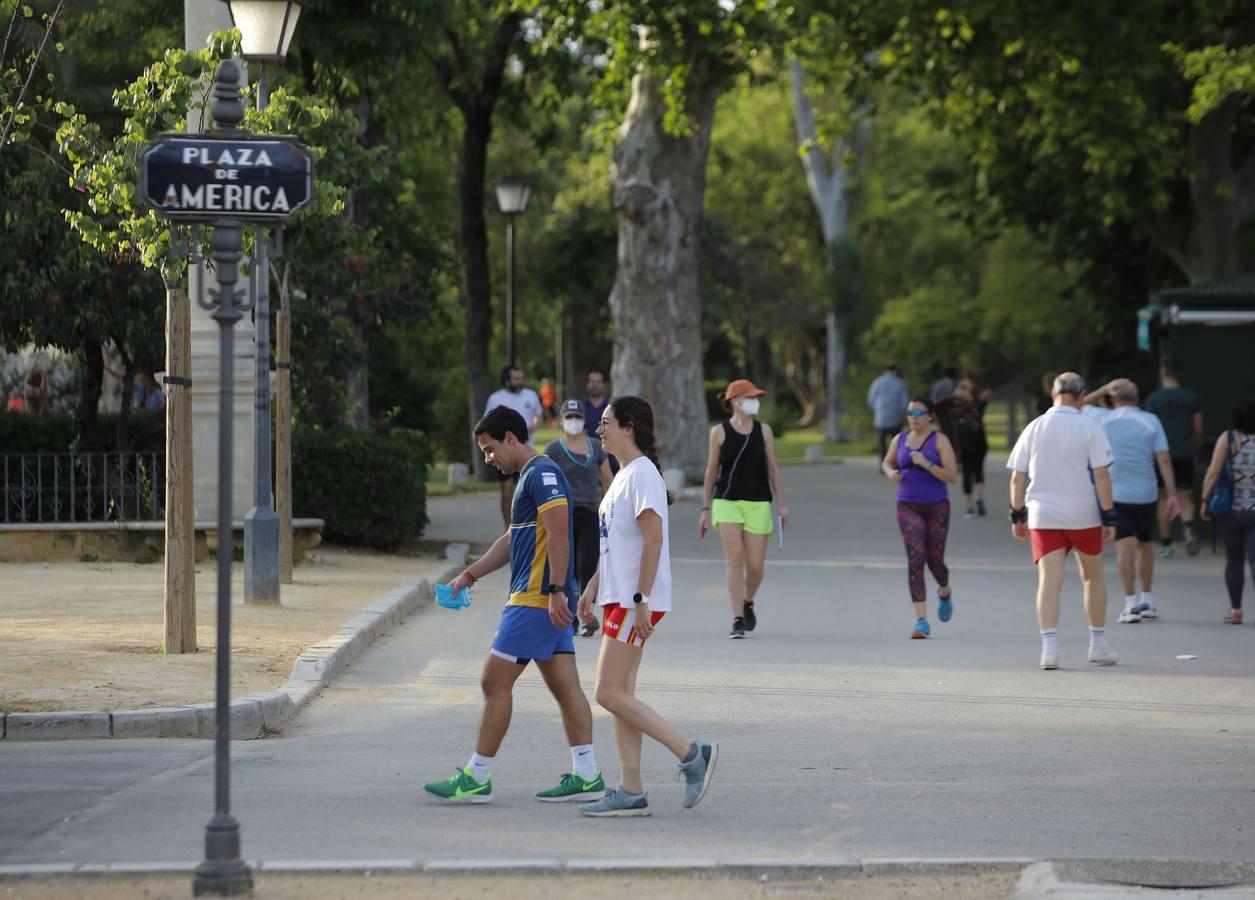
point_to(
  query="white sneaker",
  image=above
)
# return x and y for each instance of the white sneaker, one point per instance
(1129, 616)
(1049, 660)
(1149, 612)
(1104, 657)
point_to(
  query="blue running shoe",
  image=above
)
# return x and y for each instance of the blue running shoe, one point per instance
(921, 630)
(697, 773)
(945, 609)
(618, 802)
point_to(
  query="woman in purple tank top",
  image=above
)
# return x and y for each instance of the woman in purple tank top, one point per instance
(921, 462)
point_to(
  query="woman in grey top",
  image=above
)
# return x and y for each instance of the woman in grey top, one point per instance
(584, 463)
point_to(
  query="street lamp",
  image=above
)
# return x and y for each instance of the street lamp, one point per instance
(512, 194)
(266, 28)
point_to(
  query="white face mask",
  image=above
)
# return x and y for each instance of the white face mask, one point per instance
(749, 406)
(573, 426)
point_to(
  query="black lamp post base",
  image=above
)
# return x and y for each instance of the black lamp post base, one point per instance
(222, 873)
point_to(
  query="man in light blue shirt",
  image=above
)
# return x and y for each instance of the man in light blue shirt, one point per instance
(1138, 446)
(887, 399)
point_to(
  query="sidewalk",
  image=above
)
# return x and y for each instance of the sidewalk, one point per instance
(88, 636)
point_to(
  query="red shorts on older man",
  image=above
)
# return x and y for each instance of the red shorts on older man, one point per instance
(1048, 540)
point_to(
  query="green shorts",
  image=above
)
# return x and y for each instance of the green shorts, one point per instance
(752, 515)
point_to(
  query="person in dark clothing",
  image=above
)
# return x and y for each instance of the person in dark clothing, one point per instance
(1236, 449)
(742, 477)
(1178, 409)
(967, 411)
(587, 468)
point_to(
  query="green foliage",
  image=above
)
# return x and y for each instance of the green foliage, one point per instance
(58, 434)
(370, 490)
(1218, 72)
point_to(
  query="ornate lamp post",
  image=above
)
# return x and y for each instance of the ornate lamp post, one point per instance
(512, 195)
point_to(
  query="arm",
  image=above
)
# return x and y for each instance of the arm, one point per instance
(1102, 483)
(1164, 462)
(1198, 435)
(496, 557)
(588, 599)
(889, 465)
(948, 471)
(1094, 398)
(1019, 491)
(1219, 454)
(773, 472)
(708, 481)
(606, 476)
(554, 520)
(650, 524)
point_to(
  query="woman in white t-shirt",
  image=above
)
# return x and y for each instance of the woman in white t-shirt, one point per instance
(633, 587)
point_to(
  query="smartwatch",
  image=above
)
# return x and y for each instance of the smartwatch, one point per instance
(638, 597)
(555, 589)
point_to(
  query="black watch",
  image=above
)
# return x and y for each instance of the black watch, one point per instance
(1018, 515)
(1110, 518)
(555, 589)
(638, 597)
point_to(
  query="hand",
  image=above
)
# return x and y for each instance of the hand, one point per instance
(1108, 534)
(784, 515)
(559, 615)
(703, 524)
(1020, 531)
(1204, 511)
(1173, 506)
(920, 460)
(894, 475)
(585, 610)
(643, 622)
(460, 582)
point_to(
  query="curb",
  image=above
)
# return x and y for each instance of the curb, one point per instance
(252, 715)
(761, 869)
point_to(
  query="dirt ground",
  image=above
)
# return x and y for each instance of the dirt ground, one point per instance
(88, 636)
(989, 886)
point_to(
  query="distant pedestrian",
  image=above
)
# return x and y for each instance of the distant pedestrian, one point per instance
(633, 587)
(970, 401)
(1236, 448)
(944, 386)
(148, 395)
(515, 395)
(742, 478)
(595, 400)
(921, 462)
(1044, 400)
(1178, 409)
(1139, 447)
(1058, 463)
(536, 621)
(35, 392)
(887, 398)
(548, 400)
(583, 461)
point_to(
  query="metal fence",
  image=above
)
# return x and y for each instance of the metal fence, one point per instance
(41, 488)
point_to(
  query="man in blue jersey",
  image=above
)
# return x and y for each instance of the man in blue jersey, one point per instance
(536, 621)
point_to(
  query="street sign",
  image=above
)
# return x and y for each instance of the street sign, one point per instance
(202, 178)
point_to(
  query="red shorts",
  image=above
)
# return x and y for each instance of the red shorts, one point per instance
(617, 624)
(1048, 540)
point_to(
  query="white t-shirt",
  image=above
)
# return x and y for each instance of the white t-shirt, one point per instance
(1058, 451)
(637, 487)
(526, 403)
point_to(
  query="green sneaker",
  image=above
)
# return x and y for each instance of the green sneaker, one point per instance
(573, 787)
(462, 788)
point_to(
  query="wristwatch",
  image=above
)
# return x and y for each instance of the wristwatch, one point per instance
(555, 589)
(1110, 517)
(638, 597)
(1018, 515)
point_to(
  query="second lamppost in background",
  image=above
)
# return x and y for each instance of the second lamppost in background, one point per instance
(512, 194)
(266, 28)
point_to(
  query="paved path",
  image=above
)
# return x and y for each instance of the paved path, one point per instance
(840, 737)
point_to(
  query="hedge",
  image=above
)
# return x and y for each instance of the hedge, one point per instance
(370, 490)
(56, 433)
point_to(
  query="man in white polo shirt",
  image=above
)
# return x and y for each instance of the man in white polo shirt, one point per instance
(1057, 465)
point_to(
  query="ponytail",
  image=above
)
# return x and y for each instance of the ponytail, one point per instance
(639, 415)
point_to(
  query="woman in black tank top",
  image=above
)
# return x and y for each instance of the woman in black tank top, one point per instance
(742, 478)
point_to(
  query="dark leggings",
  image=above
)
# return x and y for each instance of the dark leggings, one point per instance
(972, 461)
(1239, 548)
(587, 545)
(924, 527)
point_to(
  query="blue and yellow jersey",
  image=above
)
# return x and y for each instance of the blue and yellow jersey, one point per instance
(542, 487)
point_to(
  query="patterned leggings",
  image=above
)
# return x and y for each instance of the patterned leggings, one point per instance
(924, 527)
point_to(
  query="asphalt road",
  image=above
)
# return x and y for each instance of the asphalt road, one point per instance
(839, 736)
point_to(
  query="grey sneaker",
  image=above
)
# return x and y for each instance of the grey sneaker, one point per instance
(1103, 657)
(618, 802)
(697, 773)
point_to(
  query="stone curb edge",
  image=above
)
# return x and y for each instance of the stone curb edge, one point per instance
(840, 868)
(252, 715)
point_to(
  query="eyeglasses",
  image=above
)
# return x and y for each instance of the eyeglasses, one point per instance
(602, 424)
(916, 413)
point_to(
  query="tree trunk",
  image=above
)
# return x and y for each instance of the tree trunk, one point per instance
(658, 182)
(357, 383)
(88, 414)
(180, 555)
(477, 319)
(1219, 197)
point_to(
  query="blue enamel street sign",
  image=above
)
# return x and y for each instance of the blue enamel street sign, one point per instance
(202, 178)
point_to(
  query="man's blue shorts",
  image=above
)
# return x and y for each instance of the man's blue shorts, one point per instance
(525, 633)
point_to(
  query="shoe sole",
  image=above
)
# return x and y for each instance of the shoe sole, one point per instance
(586, 796)
(1103, 662)
(474, 798)
(918, 636)
(710, 773)
(1129, 620)
(1049, 667)
(1150, 615)
(618, 813)
(736, 637)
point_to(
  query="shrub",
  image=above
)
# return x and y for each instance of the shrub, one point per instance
(369, 489)
(56, 433)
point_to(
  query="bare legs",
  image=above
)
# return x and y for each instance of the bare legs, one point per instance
(1050, 581)
(1136, 561)
(745, 555)
(562, 677)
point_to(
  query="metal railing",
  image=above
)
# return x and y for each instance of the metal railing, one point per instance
(44, 488)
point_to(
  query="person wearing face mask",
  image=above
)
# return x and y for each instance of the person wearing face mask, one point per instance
(586, 466)
(742, 477)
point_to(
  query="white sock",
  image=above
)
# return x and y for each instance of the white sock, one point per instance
(1049, 641)
(1130, 602)
(1098, 638)
(583, 761)
(1148, 599)
(480, 766)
